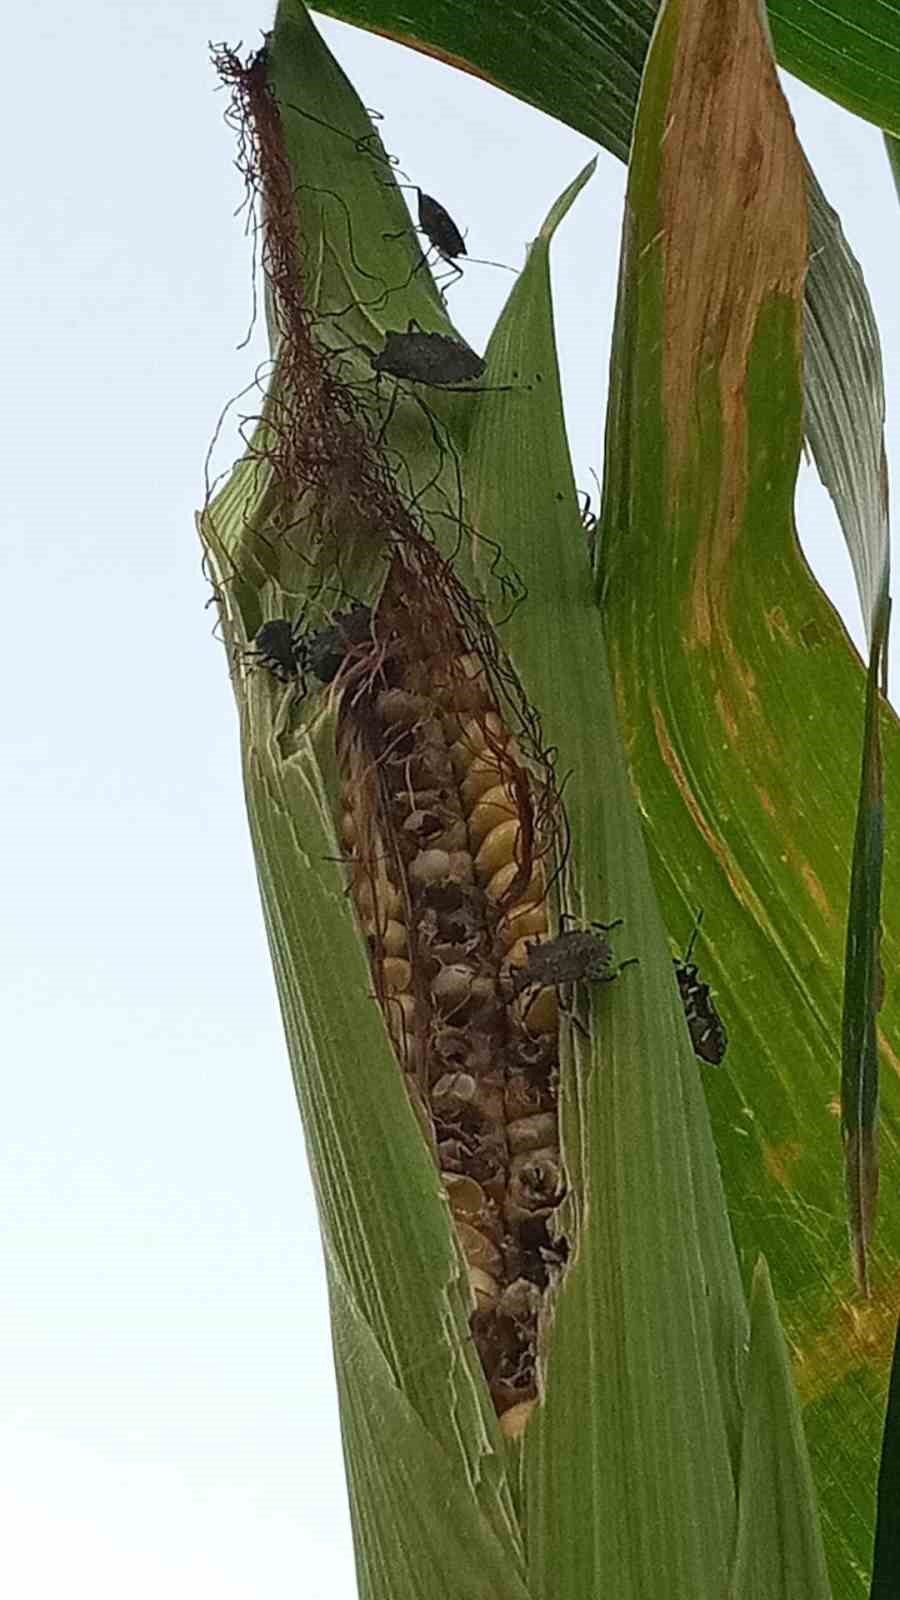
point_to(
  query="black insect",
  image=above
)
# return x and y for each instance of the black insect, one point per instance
(432, 358)
(441, 232)
(576, 955)
(707, 1030)
(275, 648)
(323, 651)
(288, 653)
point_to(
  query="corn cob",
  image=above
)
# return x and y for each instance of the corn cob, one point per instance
(438, 820)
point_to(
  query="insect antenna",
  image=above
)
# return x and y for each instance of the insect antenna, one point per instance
(686, 958)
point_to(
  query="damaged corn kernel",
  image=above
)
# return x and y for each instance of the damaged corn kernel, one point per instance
(434, 787)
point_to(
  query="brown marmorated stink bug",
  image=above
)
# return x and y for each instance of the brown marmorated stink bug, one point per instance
(576, 955)
(432, 358)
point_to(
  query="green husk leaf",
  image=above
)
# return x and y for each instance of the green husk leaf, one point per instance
(628, 1468)
(779, 1543)
(407, 1370)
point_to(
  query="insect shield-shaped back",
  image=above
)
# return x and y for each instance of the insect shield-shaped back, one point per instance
(439, 228)
(288, 653)
(574, 956)
(323, 652)
(432, 358)
(274, 648)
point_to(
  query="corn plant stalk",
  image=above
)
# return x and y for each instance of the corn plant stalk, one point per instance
(631, 1467)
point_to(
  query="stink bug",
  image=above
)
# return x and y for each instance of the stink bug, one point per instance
(443, 236)
(576, 955)
(707, 1030)
(288, 653)
(323, 651)
(273, 647)
(441, 232)
(432, 358)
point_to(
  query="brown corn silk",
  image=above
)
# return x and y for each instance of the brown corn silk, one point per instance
(450, 814)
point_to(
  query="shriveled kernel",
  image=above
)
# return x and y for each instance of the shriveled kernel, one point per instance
(453, 986)
(454, 1092)
(496, 806)
(521, 1301)
(400, 1015)
(538, 1011)
(423, 825)
(498, 849)
(467, 1198)
(462, 867)
(394, 938)
(485, 1289)
(397, 974)
(455, 839)
(430, 866)
(399, 706)
(535, 1182)
(478, 1250)
(514, 1420)
(532, 1133)
(377, 899)
(349, 830)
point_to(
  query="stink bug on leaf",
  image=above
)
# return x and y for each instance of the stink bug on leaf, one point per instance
(707, 1030)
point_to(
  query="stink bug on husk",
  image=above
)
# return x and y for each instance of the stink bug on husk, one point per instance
(287, 653)
(323, 651)
(432, 358)
(577, 955)
(707, 1030)
(440, 230)
(273, 648)
(444, 236)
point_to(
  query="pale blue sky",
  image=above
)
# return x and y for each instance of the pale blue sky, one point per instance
(167, 1412)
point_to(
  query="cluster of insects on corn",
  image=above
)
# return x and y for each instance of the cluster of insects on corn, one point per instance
(442, 831)
(447, 847)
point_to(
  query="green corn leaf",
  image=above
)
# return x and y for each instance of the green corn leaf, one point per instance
(886, 1558)
(588, 59)
(731, 672)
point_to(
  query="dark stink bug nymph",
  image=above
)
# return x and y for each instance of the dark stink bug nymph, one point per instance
(706, 1028)
(323, 651)
(287, 653)
(274, 648)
